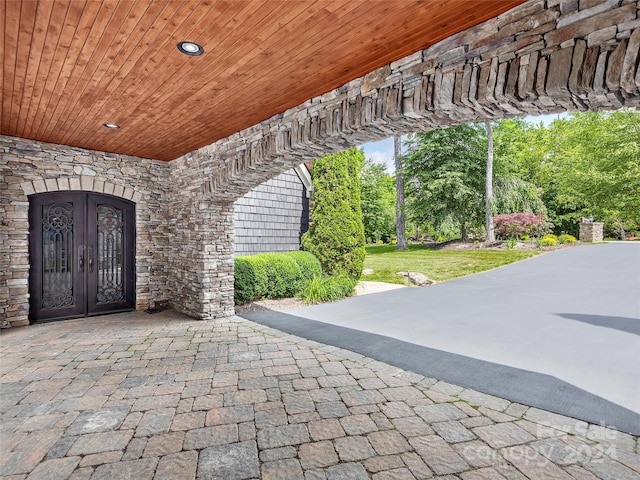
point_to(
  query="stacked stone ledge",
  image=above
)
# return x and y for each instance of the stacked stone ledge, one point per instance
(542, 57)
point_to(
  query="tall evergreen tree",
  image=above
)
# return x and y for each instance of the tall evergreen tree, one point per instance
(336, 235)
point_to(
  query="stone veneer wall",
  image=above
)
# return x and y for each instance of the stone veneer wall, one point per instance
(271, 217)
(201, 255)
(30, 167)
(184, 243)
(592, 232)
(201, 260)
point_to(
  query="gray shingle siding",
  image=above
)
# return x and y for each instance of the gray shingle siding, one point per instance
(272, 217)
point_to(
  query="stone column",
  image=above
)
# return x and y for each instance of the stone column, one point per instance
(201, 273)
(591, 232)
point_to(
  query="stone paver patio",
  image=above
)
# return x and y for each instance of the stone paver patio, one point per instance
(166, 397)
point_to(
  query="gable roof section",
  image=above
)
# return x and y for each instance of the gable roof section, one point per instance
(305, 177)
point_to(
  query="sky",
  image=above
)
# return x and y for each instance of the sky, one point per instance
(382, 152)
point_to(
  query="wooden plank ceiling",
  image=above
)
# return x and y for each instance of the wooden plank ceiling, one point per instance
(69, 66)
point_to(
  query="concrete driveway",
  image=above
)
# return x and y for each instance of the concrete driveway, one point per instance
(560, 331)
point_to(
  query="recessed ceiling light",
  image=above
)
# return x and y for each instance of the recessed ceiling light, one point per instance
(111, 125)
(190, 48)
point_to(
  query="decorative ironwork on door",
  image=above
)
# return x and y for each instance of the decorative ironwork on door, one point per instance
(81, 254)
(57, 255)
(110, 249)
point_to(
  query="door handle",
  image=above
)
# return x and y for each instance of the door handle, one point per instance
(90, 258)
(81, 259)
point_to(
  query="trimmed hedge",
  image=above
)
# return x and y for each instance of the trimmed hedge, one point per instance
(307, 262)
(273, 275)
(284, 277)
(250, 278)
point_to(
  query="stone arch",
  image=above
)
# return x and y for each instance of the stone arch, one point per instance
(544, 56)
(84, 183)
(87, 183)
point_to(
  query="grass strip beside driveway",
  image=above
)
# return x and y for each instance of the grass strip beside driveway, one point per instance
(438, 265)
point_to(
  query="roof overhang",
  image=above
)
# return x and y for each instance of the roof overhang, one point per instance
(71, 67)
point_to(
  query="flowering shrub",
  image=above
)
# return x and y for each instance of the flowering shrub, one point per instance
(565, 238)
(549, 240)
(515, 224)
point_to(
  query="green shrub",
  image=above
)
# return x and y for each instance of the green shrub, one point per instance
(565, 238)
(549, 240)
(511, 243)
(273, 275)
(250, 279)
(308, 263)
(328, 289)
(284, 277)
(336, 236)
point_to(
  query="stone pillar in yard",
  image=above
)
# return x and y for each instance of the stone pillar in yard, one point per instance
(591, 232)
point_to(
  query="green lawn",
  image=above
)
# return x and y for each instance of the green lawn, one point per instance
(439, 265)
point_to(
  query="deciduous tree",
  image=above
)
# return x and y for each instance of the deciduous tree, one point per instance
(489, 185)
(401, 235)
(587, 163)
(445, 174)
(378, 197)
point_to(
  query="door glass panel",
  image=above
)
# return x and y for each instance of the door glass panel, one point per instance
(110, 255)
(57, 255)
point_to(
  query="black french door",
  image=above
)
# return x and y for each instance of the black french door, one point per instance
(82, 255)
